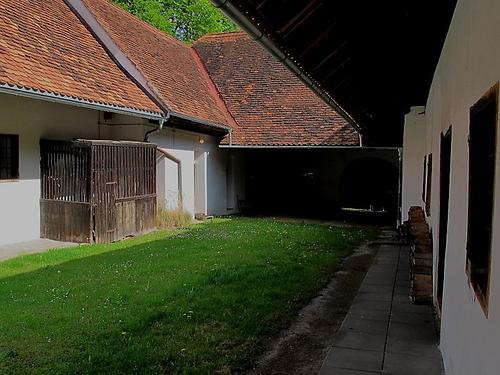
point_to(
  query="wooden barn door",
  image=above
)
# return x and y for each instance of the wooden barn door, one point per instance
(104, 186)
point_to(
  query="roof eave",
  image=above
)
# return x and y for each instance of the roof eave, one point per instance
(220, 127)
(78, 102)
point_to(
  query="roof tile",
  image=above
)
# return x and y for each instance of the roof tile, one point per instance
(45, 47)
(270, 104)
(168, 64)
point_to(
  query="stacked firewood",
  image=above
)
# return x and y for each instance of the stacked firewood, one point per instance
(420, 257)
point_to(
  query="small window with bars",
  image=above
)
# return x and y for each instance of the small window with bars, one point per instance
(9, 157)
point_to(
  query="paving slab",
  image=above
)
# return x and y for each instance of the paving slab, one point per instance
(384, 333)
(352, 359)
(30, 247)
(361, 340)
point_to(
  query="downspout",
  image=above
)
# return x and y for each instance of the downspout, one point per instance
(160, 127)
(237, 16)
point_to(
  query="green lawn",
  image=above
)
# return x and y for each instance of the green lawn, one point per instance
(199, 300)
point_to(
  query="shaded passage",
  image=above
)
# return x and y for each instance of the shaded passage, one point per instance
(384, 333)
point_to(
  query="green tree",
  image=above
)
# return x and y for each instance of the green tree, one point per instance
(187, 20)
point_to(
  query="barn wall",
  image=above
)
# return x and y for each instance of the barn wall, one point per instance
(469, 66)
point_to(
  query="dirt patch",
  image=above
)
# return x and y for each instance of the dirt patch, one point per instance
(302, 348)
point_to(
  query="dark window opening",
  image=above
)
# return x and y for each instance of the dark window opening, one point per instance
(482, 155)
(424, 177)
(428, 182)
(444, 197)
(9, 157)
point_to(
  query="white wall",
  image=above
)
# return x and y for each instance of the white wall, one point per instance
(413, 159)
(200, 182)
(203, 171)
(33, 120)
(222, 197)
(469, 66)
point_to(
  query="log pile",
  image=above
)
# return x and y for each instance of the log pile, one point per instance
(420, 257)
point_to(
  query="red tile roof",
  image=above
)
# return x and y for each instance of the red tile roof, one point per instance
(45, 48)
(270, 104)
(169, 66)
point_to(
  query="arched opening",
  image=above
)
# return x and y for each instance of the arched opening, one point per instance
(369, 188)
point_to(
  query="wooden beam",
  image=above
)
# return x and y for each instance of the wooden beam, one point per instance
(293, 20)
(332, 54)
(301, 20)
(337, 69)
(317, 40)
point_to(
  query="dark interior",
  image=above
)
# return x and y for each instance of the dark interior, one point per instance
(322, 183)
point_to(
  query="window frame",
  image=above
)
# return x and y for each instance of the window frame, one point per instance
(492, 95)
(14, 156)
(428, 186)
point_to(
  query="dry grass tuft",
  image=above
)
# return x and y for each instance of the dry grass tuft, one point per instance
(173, 218)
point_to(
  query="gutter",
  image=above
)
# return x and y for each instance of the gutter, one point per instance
(77, 102)
(226, 128)
(312, 147)
(237, 16)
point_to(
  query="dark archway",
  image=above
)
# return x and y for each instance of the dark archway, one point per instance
(370, 185)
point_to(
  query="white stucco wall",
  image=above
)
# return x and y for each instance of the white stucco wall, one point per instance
(222, 197)
(181, 145)
(413, 159)
(200, 181)
(33, 120)
(469, 66)
(203, 171)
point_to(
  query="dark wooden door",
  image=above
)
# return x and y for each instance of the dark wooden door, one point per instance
(444, 192)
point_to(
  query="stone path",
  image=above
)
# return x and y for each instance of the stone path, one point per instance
(30, 247)
(384, 333)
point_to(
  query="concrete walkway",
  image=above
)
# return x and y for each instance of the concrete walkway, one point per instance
(384, 333)
(31, 247)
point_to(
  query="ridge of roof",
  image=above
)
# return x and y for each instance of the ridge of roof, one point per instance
(145, 24)
(217, 36)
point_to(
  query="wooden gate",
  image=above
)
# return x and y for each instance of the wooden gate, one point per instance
(107, 187)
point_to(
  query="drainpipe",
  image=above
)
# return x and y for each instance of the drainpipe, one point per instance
(237, 16)
(162, 122)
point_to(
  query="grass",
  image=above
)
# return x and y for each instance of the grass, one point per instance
(205, 299)
(173, 218)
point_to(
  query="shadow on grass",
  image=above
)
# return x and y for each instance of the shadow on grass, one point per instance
(201, 300)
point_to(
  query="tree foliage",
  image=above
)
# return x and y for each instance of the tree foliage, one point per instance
(187, 20)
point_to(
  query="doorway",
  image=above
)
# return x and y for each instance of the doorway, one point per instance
(444, 196)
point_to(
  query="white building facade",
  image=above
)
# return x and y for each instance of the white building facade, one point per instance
(31, 120)
(466, 77)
